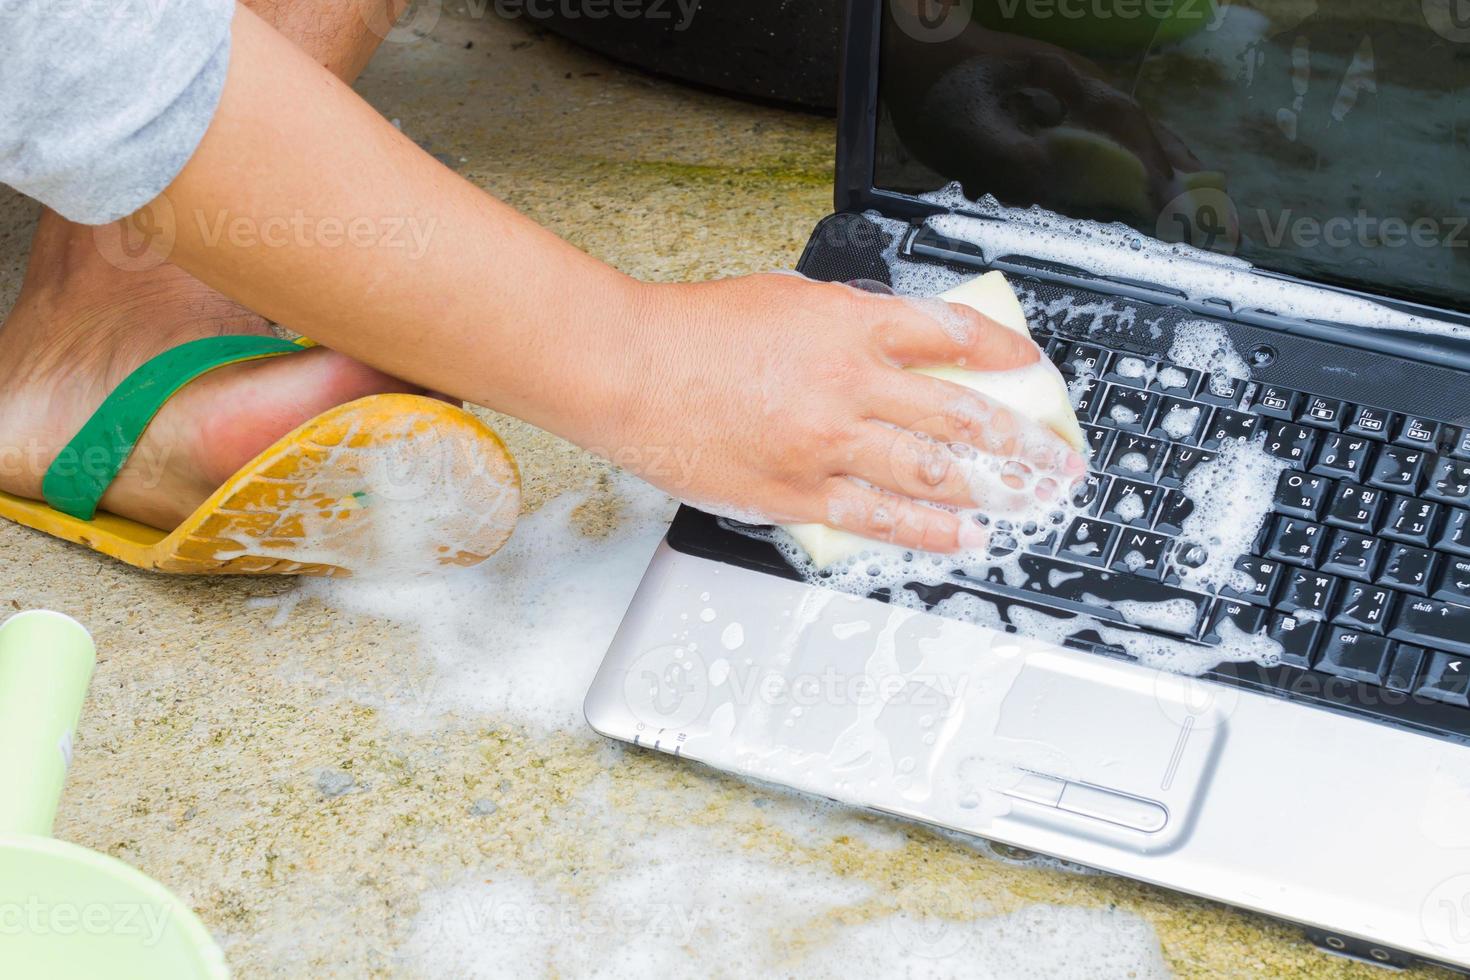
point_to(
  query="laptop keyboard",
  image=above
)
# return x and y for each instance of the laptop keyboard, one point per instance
(1362, 570)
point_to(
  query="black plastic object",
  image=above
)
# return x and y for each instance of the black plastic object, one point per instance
(764, 49)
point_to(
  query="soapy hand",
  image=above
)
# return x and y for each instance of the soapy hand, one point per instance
(795, 399)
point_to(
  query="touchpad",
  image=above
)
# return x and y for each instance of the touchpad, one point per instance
(1125, 747)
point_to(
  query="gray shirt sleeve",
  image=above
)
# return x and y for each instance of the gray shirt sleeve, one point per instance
(102, 102)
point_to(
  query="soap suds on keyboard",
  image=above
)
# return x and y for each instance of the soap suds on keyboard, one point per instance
(1204, 346)
(1232, 496)
(1232, 493)
(1115, 250)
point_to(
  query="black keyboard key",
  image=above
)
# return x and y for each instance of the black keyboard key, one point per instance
(1180, 421)
(1130, 370)
(1343, 456)
(1354, 507)
(1447, 679)
(1403, 668)
(1181, 462)
(1128, 409)
(1277, 403)
(1084, 393)
(1090, 493)
(1410, 569)
(1291, 443)
(1171, 379)
(1417, 433)
(1082, 359)
(1459, 443)
(1298, 636)
(1258, 583)
(1352, 555)
(1432, 623)
(1355, 656)
(1229, 426)
(1295, 541)
(1453, 583)
(1398, 469)
(1219, 389)
(1364, 607)
(1088, 540)
(1141, 553)
(1449, 482)
(1042, 546)
(1307, 592)
(1301, 495)
(1173, 512)
(1454, 537)
(1324, 413)
(1135, 456)
(1233, 620)
(1131, 502)
(1099, 441)
(1410, 521)
(1373, 423)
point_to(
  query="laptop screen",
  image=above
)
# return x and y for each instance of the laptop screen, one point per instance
(1324, 139)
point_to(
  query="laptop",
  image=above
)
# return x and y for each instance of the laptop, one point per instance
(1287, 187)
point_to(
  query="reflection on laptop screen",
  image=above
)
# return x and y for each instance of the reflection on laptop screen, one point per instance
(1324, 139)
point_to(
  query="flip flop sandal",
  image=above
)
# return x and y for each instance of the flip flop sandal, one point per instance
(400, 482)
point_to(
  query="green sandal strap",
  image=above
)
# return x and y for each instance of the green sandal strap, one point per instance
(79, 477)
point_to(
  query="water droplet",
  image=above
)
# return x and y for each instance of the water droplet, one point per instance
(733, 638)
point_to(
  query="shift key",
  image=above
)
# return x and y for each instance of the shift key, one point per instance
(1440, 625)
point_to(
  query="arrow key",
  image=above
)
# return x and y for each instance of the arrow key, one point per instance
(1446, 679)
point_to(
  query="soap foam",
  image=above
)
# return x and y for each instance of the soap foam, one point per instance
(1232, 495)
(406, 504)
(1115, 250)
(520, 636)
(680, 900)
(1205, 346)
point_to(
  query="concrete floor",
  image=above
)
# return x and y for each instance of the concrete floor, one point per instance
(202, 750)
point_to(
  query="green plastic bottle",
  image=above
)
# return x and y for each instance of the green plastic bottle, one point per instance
(67, 912)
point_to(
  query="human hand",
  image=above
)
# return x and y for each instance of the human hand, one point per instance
(791, 401)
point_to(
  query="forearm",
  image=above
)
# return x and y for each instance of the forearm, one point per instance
(783, 398)
(305, 204)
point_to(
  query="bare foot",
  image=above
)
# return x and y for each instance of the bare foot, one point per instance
(80, 326)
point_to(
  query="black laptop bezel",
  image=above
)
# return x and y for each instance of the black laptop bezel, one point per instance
(856, 192)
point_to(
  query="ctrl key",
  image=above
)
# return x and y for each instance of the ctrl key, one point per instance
(1355, 656)
(1447, 679)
